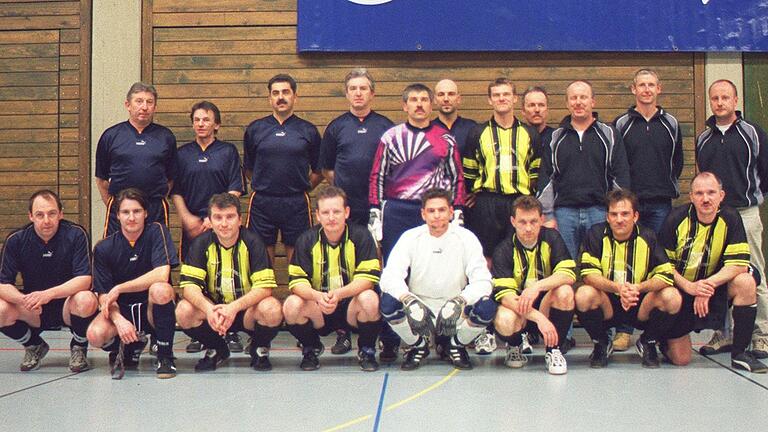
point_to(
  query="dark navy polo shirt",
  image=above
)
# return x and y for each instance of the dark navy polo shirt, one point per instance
(280, 156)
(460, 130)
(348, 148)
(145, 160)
(201, 174)
(46, 265)
(115, 261)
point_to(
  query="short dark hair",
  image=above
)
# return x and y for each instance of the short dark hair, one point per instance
(436, 193)
(208, 106)
(329, 192)
(223, 200)
(526, 202)
(727, 81)
(47, 194)
(617, 195)
(139, 87)
(417, 88)
(359, 73)
(131, 194)
(282, 78)
(535, 89)
(499, 82)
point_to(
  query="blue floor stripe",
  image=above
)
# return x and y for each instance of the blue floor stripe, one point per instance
(381, 403)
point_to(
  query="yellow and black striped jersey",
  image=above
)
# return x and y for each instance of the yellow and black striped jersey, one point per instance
(326, 267)
(699, 250)
(514, 265)
(226, 274)
(500, 160)
(634, 260)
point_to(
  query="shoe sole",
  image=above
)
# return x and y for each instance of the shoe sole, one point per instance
(744, 366)
(462, 367)
(39, 361)
(557, 372)
(166, 375)
(409, 368)
(80, 369)
(512, 365)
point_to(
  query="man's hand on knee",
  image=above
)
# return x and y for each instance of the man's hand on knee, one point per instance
(419, 315)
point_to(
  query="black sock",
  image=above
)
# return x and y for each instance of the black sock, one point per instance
(262, 336)
(658, 325)
(79, 327)
(18, 331)
(562, 320)
(516, 339)
(592, 320)
(305, 334)
(165, 327)
(743, 324)
(34, 338)
(205, 334)
(368, 332)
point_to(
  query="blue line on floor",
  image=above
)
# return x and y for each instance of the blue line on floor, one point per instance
(381, 403)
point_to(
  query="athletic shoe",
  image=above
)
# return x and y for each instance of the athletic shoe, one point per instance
(760, 348)
(32, 356)
(515, 359)
(233, 342)
(556, 364)
(165, 367)
(567, 344)
(388, 353)
(309, 360)
(600, 355)
(366, 357)
(526, 347)
(647, 352)
(78, 361)
(194, 346)
(343, 343)
(260, 359)
(414, 356)
(485, 343)
(719, 343)
(213, 358)
(622, 341)
(458, 356)
(748, 362)
(153, 347)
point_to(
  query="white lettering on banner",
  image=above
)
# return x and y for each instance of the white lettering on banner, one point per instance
(371, 2)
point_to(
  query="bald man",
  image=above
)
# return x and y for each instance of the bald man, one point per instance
(448, 99)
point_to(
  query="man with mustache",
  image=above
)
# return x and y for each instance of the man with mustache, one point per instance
(536, 111)
(281, 159)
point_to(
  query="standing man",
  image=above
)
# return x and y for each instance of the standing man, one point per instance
(627, 280)
(536, 112)
(582, 162)
(708, 248)
(448, 99)
(281, 158)
(131, 274)
(206, 166)
(137, 153)
(331, 278)
(53, 256)
(654, 145)
(227, 281)
(437, 282)
(732, 148)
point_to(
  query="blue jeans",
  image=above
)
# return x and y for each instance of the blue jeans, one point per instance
(653, 213)
(573, 223)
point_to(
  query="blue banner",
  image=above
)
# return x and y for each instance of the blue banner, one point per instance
(530, 25)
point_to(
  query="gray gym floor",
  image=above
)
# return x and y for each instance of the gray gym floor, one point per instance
(705, 396)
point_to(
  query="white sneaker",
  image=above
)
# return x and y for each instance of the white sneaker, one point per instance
(556, 364)
(515, 359)
(485, 343)
(526, 347)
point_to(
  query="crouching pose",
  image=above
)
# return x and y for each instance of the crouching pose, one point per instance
(437, 282)
(533, 276)
(227, 280)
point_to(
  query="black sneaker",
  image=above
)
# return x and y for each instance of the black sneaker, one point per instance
(194, 346)
(388, 353)
(212, 359)
(748, 362)
(566, 345)
(647, 352)
(309, 361)
(233, 342)
(260, 359)
(600, 354)
(366, 357)
(343, 343)
(459, 356)
(165, 367)
(414, 356)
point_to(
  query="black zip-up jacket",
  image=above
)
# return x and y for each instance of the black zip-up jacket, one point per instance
(654, 152)
(737, 157)
(579, 172)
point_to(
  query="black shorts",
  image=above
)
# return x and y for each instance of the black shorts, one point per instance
(238, 324)
(138, 315)
(269, 214)
(489, 219)
(337, 320)
(157, 212)
(531, 326)
(621, 316)
(52, 316)
(687, 321)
